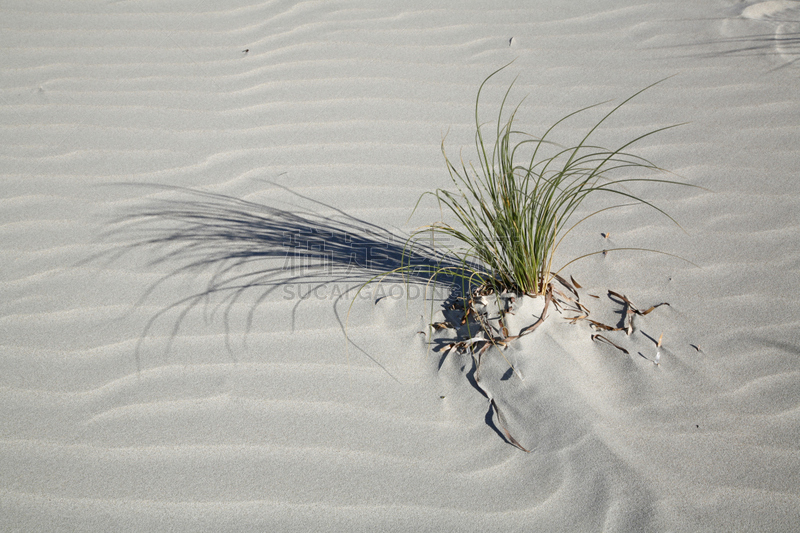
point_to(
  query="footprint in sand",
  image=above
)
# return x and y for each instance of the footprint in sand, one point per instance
(785, 15)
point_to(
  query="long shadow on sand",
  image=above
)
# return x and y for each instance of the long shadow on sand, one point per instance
(786, 45)
(244, 247)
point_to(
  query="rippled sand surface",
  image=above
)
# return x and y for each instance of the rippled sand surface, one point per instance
(159, 158)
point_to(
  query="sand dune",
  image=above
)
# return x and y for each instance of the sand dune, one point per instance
(141, 393)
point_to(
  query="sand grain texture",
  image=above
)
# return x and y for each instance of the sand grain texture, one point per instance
(253, 414)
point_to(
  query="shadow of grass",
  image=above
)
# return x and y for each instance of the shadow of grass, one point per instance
(243, 247)
(786, 45)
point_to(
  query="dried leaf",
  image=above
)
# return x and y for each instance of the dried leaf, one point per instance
(568, 286)
(563, 296)
(599, 325)
(660, 337)
(502, 422)
(619, 296)
(633, 307)
(577, 285)
(618, 347)
(653, 307)
(548, 297)
(450, 348)
(442, 325)
(468, 312)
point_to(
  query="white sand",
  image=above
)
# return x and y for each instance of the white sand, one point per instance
(284, 429)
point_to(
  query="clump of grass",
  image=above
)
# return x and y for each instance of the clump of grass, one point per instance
(516, 206)
(512, 211)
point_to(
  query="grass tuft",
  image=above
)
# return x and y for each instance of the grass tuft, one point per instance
(513, 209)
